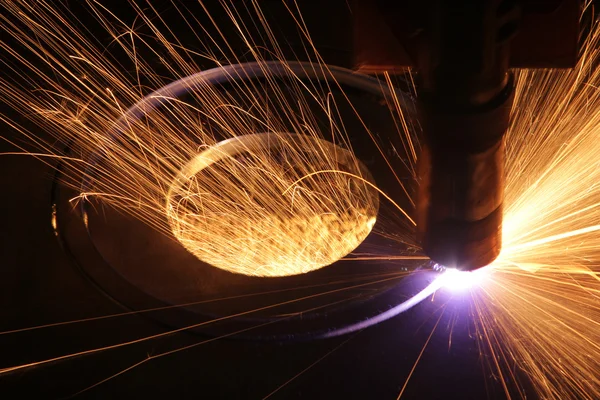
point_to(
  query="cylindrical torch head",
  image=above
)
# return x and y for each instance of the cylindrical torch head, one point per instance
(461, 182)
(460, 206)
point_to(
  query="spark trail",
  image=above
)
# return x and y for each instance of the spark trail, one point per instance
(196, 167)
(536, 310)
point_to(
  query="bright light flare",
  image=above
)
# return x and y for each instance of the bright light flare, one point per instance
(457, 280)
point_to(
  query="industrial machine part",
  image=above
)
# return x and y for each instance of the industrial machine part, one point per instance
(462, 52)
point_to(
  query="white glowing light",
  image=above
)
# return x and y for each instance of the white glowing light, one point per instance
(457, 280)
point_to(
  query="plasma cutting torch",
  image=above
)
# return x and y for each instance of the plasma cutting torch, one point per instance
(462, 52)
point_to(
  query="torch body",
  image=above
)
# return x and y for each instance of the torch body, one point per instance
(461, 52)
(464, 100)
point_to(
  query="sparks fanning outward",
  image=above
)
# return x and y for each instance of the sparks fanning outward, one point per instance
(539, 310)
(536, 308)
